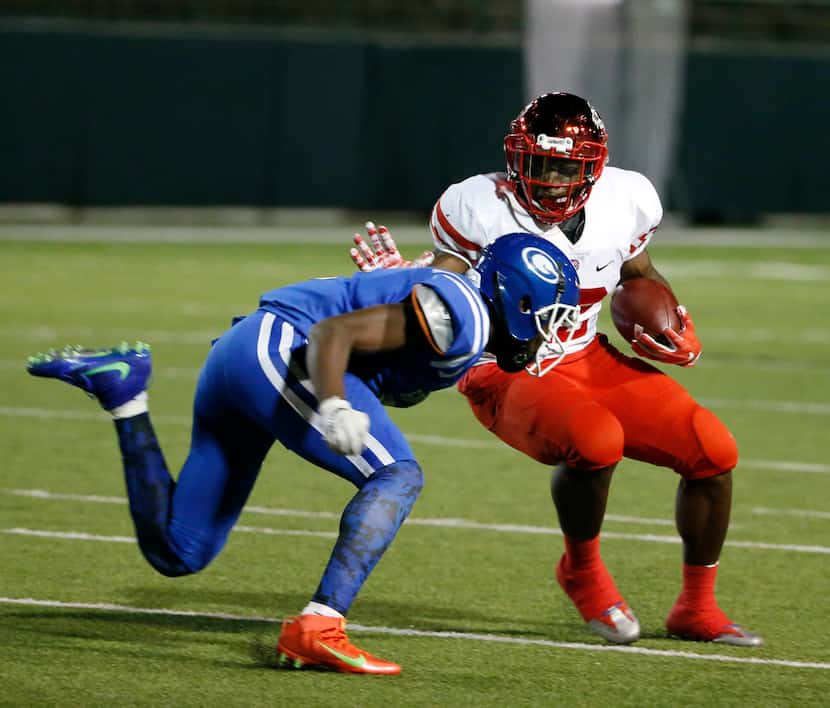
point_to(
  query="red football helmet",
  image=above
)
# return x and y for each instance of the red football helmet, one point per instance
(555, 153)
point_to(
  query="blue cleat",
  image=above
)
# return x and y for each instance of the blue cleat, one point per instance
(112, 376)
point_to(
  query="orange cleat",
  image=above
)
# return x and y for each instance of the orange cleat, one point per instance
(321, 642)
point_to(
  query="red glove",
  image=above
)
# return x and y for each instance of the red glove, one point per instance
(383, 253)
(686, 346)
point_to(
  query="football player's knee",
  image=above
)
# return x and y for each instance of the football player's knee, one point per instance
(720, 451)
(596, 436)
(182, 550)
(165, 560)
(404, 475)
(198, 557)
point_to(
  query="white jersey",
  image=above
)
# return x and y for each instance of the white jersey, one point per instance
(621, 214)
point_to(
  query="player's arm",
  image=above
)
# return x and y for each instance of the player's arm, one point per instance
(331, 342)
(641, 266)
(685, 346)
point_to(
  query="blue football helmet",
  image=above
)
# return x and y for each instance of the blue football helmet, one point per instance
(532, 291)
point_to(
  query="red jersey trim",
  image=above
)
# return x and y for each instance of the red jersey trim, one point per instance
(452, 233)
(437, 235)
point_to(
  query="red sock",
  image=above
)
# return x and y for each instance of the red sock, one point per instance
(696, 614)
(582, 555)
(699, 586)
(586, 580)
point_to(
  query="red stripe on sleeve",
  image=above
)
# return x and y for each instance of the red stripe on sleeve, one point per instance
(453, 234)
(437, 235)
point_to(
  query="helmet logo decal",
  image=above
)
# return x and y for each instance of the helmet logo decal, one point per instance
(541, 264)
(597, 119)
(563, 146)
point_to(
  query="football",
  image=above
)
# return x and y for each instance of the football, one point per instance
(647, 303)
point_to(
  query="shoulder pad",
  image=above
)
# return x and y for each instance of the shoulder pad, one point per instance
(436, 317)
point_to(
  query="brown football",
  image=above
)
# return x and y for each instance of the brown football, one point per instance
(647, 303)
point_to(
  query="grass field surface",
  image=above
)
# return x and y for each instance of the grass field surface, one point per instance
(466, 598)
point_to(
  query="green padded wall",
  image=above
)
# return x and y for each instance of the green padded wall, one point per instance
(230, 118)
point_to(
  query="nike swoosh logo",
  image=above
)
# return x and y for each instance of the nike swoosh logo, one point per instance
(120, 366)
(357, 661)
(599, 268)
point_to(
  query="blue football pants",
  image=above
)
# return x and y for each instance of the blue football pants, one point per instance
(252, 391)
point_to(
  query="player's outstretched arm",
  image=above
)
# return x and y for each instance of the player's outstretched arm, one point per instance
(685, 347)
(383, 253)
(331, 342)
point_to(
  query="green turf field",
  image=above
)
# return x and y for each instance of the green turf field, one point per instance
(465, 599)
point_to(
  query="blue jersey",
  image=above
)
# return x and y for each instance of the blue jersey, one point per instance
(255, 379)
(400, 377)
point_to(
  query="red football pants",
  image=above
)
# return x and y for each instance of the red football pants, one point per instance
(598, 406)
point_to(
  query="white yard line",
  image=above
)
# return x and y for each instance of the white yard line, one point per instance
(800, 513)
(409, 632)
(58, 337)
(83, 536)
(678, 269)
(794, 407)
(93, 413)
(68, 535)
(785, 466)
(442, 523)
(817, 335)
(97, 415)
(299, 513)
(747, 365)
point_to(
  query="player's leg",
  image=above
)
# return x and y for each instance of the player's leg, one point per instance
(388, 480)
(580, 498)
(552, 420)
(700, 448)
(182, 525)
(702, 509)
(179, 527)
(118, 378)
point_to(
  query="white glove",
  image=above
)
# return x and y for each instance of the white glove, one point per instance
(344, 429)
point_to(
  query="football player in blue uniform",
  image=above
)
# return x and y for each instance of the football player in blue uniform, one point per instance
(312, 368)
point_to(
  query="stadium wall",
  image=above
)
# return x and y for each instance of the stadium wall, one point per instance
(103, 118)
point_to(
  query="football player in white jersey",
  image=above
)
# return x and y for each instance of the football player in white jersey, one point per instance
(598, 405)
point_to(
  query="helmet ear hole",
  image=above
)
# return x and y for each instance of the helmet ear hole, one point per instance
(524, 305)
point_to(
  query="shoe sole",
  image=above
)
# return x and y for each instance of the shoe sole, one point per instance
(746, 640)
(752, 640)
(291, 660)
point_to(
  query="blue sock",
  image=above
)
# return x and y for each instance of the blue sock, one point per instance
(368, 524)
(150, 490)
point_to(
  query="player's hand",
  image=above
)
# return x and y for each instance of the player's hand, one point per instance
(383, 252)
(685, 346)
(344, 429)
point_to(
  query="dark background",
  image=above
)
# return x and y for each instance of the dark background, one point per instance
(270, 104)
